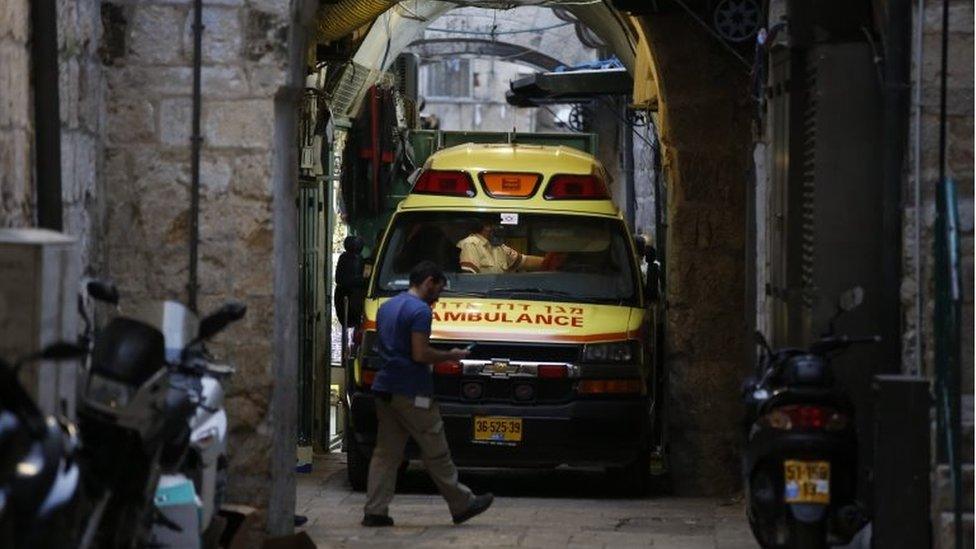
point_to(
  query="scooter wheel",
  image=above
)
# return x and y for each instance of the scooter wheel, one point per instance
(807, 535)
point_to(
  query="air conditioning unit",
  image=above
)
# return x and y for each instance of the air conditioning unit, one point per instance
(405, 71)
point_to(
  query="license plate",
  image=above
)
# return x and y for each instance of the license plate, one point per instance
(806, 481)
(497, 429)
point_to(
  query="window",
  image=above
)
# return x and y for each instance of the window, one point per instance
(449, 78)
(585, 257)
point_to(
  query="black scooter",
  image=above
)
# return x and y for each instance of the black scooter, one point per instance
(800, 458)
(40, 485)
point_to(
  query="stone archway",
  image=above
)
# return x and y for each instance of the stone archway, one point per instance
(702, 96)
(253, 74)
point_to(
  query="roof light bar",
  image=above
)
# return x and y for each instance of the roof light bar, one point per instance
(510, 184)
(576, 187)
(445, 182)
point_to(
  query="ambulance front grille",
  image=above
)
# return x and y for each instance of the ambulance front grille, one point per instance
(533, 352)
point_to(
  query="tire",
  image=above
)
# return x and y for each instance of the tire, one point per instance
(805, 535)
(633, 479)
(220, 484)
(357, 465)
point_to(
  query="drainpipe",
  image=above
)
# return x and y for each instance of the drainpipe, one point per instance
(919, 298)
(898, 33)
(195, 141)
(47, 115)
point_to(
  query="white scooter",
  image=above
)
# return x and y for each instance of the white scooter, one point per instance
(200, 481)
(206, 463)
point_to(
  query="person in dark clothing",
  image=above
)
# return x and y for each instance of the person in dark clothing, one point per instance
(350, 283)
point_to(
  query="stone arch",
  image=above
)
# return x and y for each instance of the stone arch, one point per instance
(704, 114)
(702, 96)
(704, 110)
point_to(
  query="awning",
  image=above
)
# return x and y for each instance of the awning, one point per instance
(574, 86)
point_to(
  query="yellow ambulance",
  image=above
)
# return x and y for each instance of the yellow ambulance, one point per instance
(545, 279)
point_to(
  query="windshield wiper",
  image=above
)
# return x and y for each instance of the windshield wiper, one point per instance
(554, 293)
(494, 291)
(463, 293)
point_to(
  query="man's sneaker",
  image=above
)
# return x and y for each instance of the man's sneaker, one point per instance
(478, 505)
(377, 520)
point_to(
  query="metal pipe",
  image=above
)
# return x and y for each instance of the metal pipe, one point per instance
(195, 141)
(919, 214)
(47, 114)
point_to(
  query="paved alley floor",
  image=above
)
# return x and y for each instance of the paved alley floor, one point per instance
(531, 509)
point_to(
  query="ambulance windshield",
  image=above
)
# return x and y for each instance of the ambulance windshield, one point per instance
(520, 255)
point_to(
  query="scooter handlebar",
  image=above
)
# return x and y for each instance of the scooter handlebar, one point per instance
(833, 343)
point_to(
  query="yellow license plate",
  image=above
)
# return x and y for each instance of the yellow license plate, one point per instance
(497, 429)
(806, 481)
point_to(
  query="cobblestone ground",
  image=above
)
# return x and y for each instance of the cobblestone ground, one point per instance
(531, 509)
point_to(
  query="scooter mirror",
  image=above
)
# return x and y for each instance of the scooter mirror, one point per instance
(851, 299)
(103, 290)
(214, 323)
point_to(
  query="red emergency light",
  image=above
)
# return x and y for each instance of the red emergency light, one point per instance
(551, 371)
(445, 182)
(576, 187)
(448, 368)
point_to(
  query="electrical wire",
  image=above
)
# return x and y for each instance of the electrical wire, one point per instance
(613, 109)
(510, 5)
(714, 34)
(559, 120)
(389, 38)
(411, 14)
(494, 33)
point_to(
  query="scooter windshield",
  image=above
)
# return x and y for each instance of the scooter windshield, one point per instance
(178, 324)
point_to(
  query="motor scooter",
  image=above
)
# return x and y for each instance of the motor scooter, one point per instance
(40, 494)
(135, 410)
(800, 455)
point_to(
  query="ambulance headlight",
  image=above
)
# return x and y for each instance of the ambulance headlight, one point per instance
(618, 351)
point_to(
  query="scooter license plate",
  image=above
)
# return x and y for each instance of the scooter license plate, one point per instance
(806, 481)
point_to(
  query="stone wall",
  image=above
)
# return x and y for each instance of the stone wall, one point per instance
(959, 156)
(81, 109)
(923, 170)
(82, 112)
(147, 52)
(16, 119)
(705, 135)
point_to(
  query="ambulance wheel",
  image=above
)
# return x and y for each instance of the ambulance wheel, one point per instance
(357, 464)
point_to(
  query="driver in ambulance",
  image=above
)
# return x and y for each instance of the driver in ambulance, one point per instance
(482, 253)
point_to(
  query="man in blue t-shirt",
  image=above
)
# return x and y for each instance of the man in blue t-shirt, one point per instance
(404, 407)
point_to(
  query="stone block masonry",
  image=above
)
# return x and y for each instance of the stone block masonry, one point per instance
(959, 82)
(147, 51)
(16, 121)
(82, 115)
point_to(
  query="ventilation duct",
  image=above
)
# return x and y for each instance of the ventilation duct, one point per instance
(337, 20)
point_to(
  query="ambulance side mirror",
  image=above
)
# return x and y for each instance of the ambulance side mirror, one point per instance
(653, 287)
(655, 275)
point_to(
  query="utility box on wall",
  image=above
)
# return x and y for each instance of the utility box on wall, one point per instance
(39, 272)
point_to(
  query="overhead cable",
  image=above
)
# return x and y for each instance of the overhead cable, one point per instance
(495, 33)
